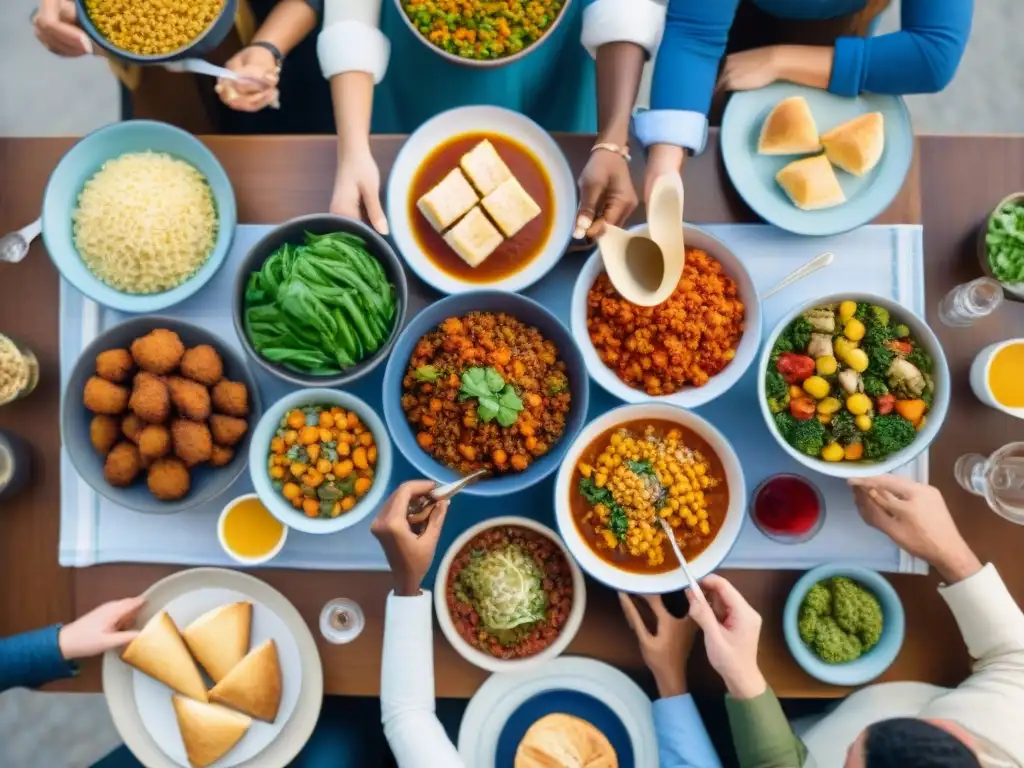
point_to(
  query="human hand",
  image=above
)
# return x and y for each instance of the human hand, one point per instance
(101, 629)
(750, 70)
(409, 553)
(731, 631)
(246, 95)
(606, 194)
(357, 188)
(55, 25)
(662, 159)
(916, 517)
(667, 649)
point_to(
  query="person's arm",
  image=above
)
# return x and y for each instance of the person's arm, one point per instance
(683, 741)
(415, 735)
(761, 732)
(33, 659)
(351, 40)
(288, 24)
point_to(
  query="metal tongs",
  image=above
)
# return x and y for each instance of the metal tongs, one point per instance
(421, 507)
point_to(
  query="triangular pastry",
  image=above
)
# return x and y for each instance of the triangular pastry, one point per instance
(253, 686)
(159, 651)
(219, 639)
(209, 731)
(789, 129)
(558, 741)
(856, 146)
(811, 183)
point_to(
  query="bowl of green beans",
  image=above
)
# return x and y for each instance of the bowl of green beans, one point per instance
(1001, 244)
(319, 301)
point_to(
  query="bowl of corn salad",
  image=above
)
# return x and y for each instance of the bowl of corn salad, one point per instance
(482, 33)
(155, 31)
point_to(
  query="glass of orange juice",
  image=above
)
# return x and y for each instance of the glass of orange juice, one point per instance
(248, 532)
(997, 376)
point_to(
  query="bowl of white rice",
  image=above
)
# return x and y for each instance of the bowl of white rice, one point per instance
(138, 216)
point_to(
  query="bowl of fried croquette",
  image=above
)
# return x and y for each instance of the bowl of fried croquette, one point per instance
(157, 32)
(844, 624)
(157, 415)
(347, 434)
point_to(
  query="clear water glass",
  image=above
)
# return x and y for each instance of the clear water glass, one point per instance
(971, 301)
(999, 478)
(341, 621)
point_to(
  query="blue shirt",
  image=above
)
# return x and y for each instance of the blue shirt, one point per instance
(683, 741)
(33, 659)
(921, 58)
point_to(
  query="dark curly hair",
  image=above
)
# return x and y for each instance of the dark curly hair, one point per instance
(909, 743)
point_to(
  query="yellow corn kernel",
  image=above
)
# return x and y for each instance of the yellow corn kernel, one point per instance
(854, 329)
(863, 422)
(585, 469)
(847, 309)
(832, 452)
(704, 527)
(858, 404)
(600, 479)
(826, 365)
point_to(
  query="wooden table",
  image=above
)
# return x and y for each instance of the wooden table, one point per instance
(950, 189)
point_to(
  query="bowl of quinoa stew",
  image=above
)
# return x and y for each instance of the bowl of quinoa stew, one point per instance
(508, 595)
(485, 380)
(482, 33)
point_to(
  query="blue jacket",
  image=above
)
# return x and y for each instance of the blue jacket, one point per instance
(33, 659)
(921, 58)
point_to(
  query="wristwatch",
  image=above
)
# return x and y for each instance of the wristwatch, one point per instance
(274, 50)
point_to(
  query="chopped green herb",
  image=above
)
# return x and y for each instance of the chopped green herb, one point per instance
(427, 373)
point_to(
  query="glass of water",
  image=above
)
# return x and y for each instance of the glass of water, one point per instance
(999, 478)
(970, 301)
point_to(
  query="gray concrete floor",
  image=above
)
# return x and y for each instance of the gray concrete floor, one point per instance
(42, 95)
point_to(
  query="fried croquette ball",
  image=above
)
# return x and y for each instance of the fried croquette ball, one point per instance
(102, 396)
(103, 433)
(222, 455)
(122, 465)
(227, 430)
(191, 399)
(150, 399)
(168, 479)
(159, 351)
(154, 443)
(114, 365)
(193, 443)
(202, 364)
(132, 426)
(231, 397)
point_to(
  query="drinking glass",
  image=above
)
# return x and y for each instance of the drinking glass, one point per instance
(970, 301)
(999, 478)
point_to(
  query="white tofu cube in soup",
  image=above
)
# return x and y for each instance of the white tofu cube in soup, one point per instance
(448, 201)
(485, 168)
(474, 238)
(511, 207)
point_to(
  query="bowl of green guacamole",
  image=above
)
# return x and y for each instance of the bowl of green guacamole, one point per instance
(844, 624)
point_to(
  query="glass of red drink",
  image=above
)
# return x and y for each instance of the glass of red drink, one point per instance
(788, 508)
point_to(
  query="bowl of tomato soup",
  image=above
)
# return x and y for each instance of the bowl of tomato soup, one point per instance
(630, 468)
(508, 594)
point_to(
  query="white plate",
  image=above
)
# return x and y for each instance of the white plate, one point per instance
(482, 119)
(153, 736)
(153, 698)
(501, 695)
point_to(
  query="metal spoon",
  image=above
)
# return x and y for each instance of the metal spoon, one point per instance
(14, 246)
(421, 507)
(201, 67)
(820, 261)
(697, 591)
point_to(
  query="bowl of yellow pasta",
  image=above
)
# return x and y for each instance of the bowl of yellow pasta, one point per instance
(138, 216)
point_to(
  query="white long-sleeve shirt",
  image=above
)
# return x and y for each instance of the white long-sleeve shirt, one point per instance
(989, 703)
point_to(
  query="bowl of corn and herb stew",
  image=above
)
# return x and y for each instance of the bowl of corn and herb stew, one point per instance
(320, 460)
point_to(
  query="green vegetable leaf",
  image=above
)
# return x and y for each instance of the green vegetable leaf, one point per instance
(493, 380)
(495, 398)
(474, 383)
(488, 409)
(427, 373)
(618, 521)
(640, 467)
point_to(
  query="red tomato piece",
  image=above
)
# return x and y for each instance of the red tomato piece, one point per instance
(795, 368)
(885, 403)
(902, 347)
(802, 408)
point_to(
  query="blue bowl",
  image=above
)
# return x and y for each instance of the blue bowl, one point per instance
(874, 662)
(259, 450)
(209, 39)
(527, 311)
(83, 160)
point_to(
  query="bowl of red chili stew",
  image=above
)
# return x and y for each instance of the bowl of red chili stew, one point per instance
(509, 595)
(635, 466)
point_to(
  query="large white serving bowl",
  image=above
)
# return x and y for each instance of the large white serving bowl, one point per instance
(920, 331)
(690, 397)
(481, 119)
(485, 660)
(651, 583)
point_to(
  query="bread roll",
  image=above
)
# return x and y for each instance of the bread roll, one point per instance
(811, 183)
(564, 741)
(159, 651)
(856, 146)
(253, 686)
(789, 129)
(209, 731)
(219, 639)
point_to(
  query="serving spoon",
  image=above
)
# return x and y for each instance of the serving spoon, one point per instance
(14, 245)
(820, 261)
(692, 582)
(421, 507)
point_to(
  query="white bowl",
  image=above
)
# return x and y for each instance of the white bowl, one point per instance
(920, 331)
(690, 397)
(651, 583)
(485, 660)
(234, 555)
(979, 377)
(482, 119)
